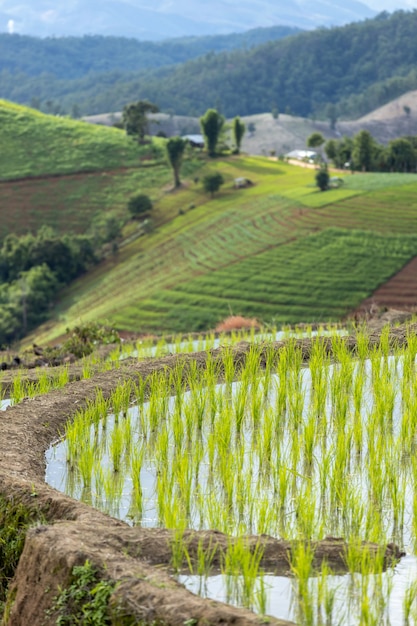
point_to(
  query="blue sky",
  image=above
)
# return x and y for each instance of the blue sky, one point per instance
(390, 5)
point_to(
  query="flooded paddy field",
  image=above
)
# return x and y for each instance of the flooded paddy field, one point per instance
(274, 446)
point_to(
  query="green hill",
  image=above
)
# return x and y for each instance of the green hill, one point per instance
(74, 57)
(357, 67)
(278, 250)
(281, 251)
(42, 71)
(34, 144)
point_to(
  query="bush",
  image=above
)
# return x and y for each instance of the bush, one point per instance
(212, 183)
(322, 179)
(84, 337)
(139, 204)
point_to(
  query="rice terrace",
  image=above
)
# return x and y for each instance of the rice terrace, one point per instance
(189, 476)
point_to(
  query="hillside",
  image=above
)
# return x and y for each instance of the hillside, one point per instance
(355, 68)
(75, 57)
(289, 132)
(280, 250)
(35, 144)
(157, 20)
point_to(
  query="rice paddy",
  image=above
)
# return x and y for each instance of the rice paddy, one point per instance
(270, 447)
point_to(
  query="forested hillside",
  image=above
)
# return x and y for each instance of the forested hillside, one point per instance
(303, 74)
(356, 68)
(34, 70)
(74, 57)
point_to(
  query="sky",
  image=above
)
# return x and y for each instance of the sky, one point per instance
(390, 5)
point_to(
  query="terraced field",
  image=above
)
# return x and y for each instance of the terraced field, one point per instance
(269, 251)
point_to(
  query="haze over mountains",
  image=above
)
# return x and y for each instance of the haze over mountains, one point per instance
(158, 19)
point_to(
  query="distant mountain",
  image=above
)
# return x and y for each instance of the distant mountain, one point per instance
(158, 19)
(74, 57)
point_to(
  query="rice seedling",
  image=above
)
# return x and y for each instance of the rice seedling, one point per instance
(286, 450)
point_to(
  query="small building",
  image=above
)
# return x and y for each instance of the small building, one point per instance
(195, 141)
(302, 155)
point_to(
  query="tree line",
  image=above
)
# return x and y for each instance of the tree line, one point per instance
(363, 152)
(32, 269)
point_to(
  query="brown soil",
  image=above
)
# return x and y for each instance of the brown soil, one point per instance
(400, 292)
(72, 532)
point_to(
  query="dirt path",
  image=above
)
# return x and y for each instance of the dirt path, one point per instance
(71, 532)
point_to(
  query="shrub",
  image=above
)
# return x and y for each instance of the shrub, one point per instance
(322, 179)
(84, 337)
(212, 183)
(139, 204)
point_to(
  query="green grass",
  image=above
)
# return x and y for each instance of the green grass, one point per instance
(375, 181)
(34, 144)
(317, 278)
(245, 251)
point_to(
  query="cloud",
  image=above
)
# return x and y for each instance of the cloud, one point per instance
(10, 27)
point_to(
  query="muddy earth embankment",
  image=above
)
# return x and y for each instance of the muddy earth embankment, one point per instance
(60, 533)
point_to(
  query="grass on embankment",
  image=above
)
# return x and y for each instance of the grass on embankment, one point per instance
(34, 144)
(249, 251)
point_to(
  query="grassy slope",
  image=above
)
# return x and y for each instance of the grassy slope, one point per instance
(264, 251)
(34, 144)
(267, 251)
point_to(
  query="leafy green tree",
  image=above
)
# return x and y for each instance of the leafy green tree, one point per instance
(212, 183)
(363, 150)
(238, 132)
(135, 120)
(322, 179)
(315, 140)
(401, 155)
(140, 204)
(106, 227)
(175, 148)
(211, 125)
(331, 149)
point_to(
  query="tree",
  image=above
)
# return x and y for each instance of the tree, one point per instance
(139, 204)
(175, 151)
(135, 120)
(315, 140)
(363, 150)
(211, 125)
(331, 148)
(238, 132)
(401, 155)
(212, 183)
(322, 179)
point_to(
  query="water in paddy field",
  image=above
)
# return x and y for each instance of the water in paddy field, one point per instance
(281, 594)
(5, 403)
(202, 344)
(320, 450)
